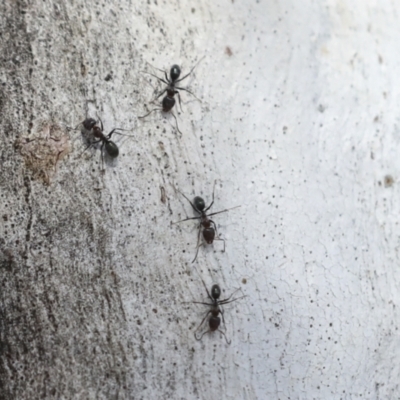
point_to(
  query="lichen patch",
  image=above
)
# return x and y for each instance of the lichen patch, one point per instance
(44, 150)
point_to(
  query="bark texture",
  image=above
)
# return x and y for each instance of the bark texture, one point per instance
(297, 124)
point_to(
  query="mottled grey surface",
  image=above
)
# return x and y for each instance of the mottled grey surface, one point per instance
(298, 124)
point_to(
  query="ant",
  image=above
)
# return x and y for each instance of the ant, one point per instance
(168, 101)
(206, 225)
(111, 148)
(214, 320)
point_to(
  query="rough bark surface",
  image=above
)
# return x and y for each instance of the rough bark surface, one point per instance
(297, 124)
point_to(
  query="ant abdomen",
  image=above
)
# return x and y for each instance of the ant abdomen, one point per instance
(112, 149)
(214, 323)
(209, 235)
(168, 103)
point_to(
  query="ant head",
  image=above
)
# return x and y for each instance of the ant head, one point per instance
(199, 203)
(175, 72)
(215, 292)
(89, 123)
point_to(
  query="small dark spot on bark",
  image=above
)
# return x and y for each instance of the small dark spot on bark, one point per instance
(108, 77)
(228, 51)
(244, 281)
(83, 69)
(389, 181)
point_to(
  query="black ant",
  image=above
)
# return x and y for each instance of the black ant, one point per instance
(111, 148)
(168, 101)
(209, 228)
(214, 321)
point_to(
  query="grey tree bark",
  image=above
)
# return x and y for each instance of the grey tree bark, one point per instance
(297, 124)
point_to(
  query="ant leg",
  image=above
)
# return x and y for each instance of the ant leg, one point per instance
(154, 109)
(201, 323)
(208, 293)
(110, 134)
(212, 198)
(198, 246)
(155, 76)
(90, 145)
(115, 131)
(159, 95)
(226, 301)
(189, 71)
(197, 302)
(101, 122)
(217, 238)
(187, 219)
(185, 75)
(161, 70)
(222, 241)
(187, 90)
(222, 315)
(176, 121)
(227, 341)
(219, 212)
(102, 156)
(197, 252)
(80, 123)
(215, 228)
(199, 338)
(179, 98)
(119, 129)
(194, 208)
